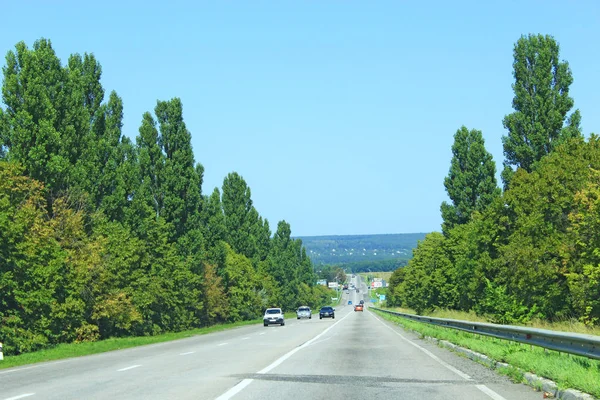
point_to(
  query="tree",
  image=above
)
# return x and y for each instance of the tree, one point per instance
(429, 277)
(181, 182)
(242, 287)
(541, 104)
(34, 93)
(151, 166)
(584, 258)
(241, 218)
(532, 259)
(471, 182)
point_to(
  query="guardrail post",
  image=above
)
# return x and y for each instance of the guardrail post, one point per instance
(1, 354)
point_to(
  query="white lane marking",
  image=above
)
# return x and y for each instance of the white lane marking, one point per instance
(17, 370)
(33, 366)
(246, 338)
(321, 341)
(430, 354)
(20, 396)
(127, 368)
(235, 390)
(222, 344)
(185, 354)
(262, 333)
(489, 392)
(240, 386)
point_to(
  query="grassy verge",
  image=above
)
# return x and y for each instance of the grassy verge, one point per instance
(568, 371)
(563, 326)
(83, 349)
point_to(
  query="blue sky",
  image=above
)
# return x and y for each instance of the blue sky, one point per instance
(340, 115)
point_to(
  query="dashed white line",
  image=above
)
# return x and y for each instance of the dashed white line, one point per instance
(128, 368)
(222, 344)
(262, 333)
(20, 396)
(185, 354)
(245, 338)
(240, 386)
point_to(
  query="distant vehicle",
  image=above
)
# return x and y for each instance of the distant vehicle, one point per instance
(354, 276)
(327, 312)
(273, 316)
(361, 302)
(349, 302)
(304, 312)
(345, 286)
(358, 307)
(357, 291)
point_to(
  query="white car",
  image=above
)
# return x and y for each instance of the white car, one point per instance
(273, 316)
(304, 312)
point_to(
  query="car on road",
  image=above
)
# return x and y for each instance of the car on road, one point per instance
(327, 312)
(362, 302)
(304, 312)
(349, 302)
(273, 316)
(358, 307)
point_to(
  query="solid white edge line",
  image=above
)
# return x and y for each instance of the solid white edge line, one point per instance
(489, 392)
(185, 354)
(235, 390)
(222, 344)
(128, 368)
(430, 354)
(18, 369)
(240, 386)
(20, 396)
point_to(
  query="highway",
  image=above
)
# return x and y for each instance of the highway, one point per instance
(357, 355)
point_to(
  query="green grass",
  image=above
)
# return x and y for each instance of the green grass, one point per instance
(568, 371)
(83, 349)
(563, 326)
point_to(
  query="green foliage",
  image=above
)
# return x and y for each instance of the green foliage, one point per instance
(532, 251)
(541, 104)
(352, 251)
(103, 238)
(584, 258)
(428, 278)
(289, 266)
(471, 182)
(331, 273)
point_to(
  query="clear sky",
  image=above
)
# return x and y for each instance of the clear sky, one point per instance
(340, 115)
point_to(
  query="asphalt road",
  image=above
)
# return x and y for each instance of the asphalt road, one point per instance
(354, 356)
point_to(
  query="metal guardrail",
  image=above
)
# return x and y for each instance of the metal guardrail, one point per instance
(572, 343)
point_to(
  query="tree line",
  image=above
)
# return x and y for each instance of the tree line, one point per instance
(531, 250)
(103, 237)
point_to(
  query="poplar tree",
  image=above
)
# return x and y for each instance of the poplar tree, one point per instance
(471, 182)
(541, 104)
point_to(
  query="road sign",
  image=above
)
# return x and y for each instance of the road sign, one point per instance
(382, 297)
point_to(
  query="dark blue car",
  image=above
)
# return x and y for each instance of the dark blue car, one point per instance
(327, 312)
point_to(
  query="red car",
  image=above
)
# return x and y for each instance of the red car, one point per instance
(358, 307)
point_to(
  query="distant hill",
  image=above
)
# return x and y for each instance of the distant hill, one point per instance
(358, 250)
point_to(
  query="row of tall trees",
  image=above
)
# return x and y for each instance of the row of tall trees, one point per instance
(104, 237)
(532, 250)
